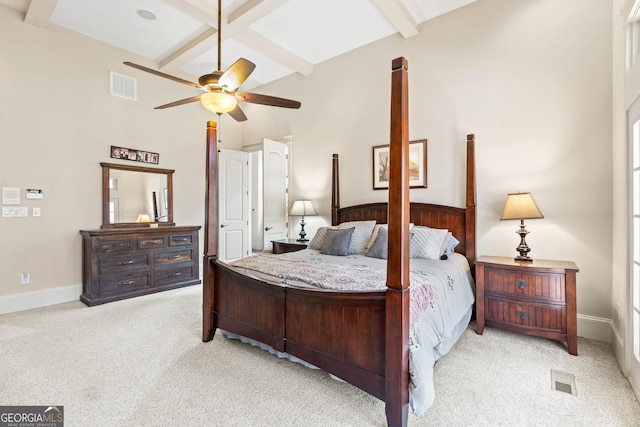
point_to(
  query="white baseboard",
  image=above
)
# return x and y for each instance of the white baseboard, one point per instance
(595, 328)
(35, 299)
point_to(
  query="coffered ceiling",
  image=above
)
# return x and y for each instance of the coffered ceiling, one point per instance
(281, 37)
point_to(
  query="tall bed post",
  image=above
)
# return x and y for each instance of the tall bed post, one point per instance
(470, 216)
(335, 190)
(211, 231)
(397, 299)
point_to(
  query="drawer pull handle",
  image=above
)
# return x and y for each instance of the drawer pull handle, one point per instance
(522, 315)
(126, 262)
(153, 242)
(176, 274)
(127, 283)
(181, 239)
(521, 284)
(174, 256)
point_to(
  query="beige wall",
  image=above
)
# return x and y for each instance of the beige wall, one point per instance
(57, 122)
(531, 79)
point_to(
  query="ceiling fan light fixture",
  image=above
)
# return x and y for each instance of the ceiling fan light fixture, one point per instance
(218, 102)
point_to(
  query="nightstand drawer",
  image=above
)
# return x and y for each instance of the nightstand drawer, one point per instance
(548, 318)
(536, 297)
(534, 286)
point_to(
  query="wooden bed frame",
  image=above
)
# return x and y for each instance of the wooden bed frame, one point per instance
(361, 337)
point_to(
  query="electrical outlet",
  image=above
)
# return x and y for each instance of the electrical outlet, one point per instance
(36, 211)
(25, 278)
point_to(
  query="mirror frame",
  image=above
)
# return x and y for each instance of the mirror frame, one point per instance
(106, 169)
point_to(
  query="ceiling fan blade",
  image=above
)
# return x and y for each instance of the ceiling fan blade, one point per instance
(236, 74)
(256, 98)
(161, 74)
(176, 103)
(238, 114)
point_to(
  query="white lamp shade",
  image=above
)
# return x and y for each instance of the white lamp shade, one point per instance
(521, 206)
(218, 102)
(302, 208)
(143, 218)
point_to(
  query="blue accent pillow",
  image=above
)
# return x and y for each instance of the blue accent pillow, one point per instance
(337, 242)
(380, 245)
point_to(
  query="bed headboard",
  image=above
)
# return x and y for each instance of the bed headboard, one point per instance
(460, 221)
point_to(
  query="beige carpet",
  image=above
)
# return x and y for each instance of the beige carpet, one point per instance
(141, 362)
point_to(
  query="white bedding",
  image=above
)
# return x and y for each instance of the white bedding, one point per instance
(433, 332)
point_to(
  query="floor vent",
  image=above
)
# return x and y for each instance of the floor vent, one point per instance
(122, 86)
(564, 382)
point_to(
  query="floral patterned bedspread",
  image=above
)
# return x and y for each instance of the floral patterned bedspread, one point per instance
(345, 277)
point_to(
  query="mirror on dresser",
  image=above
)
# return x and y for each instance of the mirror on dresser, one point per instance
(134, 196)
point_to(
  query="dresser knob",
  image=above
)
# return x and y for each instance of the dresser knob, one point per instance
(522, 315)
(521, 284)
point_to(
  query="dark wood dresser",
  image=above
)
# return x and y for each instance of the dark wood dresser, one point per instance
(533, 297)
(125, 263)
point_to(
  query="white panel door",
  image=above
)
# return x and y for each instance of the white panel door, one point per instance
(275, 189)
(633, 118)
(233, 205)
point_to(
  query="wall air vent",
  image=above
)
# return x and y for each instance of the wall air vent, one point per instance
(123, 86)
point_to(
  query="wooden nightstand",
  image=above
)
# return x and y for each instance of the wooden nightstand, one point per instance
(288, 245)
(533, 297)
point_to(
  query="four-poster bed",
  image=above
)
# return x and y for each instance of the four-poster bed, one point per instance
(361, 337)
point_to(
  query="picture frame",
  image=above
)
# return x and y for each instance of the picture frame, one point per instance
(417, 165)
(134, 155)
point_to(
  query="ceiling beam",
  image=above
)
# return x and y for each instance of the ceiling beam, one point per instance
(39, 12)
(254, 10)
(399, 16)
(194, 47)
(273, 50)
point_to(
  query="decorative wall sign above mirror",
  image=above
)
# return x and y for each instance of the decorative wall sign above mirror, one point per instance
(136, 196)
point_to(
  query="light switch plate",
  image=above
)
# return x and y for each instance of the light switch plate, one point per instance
(36, 211)
(15, 212)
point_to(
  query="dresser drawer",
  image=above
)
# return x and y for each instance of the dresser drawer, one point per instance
(134, 260)
(181, 239)
(174, 275)
(117, 244)
(550, 318)
(152, 242)
(174, 257)
(534, 286)
(122, 284)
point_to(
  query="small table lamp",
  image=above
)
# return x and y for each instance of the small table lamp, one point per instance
(521, 206)
(302, 208)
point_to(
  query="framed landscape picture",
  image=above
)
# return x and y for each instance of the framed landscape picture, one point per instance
(417, 165)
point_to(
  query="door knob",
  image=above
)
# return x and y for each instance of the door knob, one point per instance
(221, 225)
(267, 228)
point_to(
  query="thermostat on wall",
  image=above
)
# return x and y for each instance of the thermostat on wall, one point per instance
(32, 193)
(10, 196)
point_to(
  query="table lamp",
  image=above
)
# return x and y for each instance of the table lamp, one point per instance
(521, 206)
(302, 208)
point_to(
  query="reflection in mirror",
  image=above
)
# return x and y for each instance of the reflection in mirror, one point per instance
(135, 196)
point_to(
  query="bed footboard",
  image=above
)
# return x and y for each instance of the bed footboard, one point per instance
(342, 333)
(248, 306)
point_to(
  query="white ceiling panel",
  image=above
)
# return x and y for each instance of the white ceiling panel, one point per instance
(116, 22)
(319, 30)
(280, 36)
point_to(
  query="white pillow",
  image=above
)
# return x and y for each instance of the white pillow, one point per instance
(426, 242)
(449, 244)
(361, 235)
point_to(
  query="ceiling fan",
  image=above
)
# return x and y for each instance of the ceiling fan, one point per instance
(220, 87)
